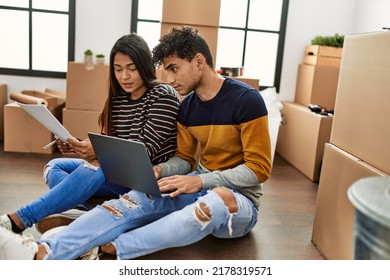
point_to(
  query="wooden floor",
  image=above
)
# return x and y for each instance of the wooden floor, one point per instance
(282, 233)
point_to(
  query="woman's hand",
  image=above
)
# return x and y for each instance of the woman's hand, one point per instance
(82, 148)
(157, 171)
(63, 146)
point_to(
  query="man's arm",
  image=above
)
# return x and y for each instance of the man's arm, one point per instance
(174, 166)
(241, 176)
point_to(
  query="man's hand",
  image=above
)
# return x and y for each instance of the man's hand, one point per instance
(179, 184)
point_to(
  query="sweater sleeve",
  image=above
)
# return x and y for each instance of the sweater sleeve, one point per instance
(160, 126)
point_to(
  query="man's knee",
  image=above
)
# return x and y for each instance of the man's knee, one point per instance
(228, 198)
(203, 212)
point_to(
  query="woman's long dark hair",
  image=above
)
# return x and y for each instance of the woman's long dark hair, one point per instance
(136, 47)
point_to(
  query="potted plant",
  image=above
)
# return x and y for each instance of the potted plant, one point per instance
(100, 59)
(336, 41)
(88, 57)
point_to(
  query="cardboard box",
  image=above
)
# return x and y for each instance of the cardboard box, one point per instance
(210, 34)
(255, 83)
(3, 101)
(161, 75)
(302, 137)
(361, 124)
(86, 89)
(61, 96)
(80, 122)
(335, 214)
(317, 85)
(189, 12)
(322, 55)
(23, 133)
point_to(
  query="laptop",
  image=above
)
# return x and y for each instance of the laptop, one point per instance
(125, 163)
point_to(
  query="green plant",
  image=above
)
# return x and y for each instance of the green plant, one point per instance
(88, 52)
(100, 55)
(331, 41)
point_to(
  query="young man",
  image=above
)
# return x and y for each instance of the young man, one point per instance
(228, 120)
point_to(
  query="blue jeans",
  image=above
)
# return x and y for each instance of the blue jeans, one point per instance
(138, 224)
(72, 182)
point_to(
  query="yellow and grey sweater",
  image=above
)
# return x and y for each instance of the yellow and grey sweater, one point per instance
(233, 136)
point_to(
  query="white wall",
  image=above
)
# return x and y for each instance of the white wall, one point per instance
(372, 15)
(99, 26)
(307, 19)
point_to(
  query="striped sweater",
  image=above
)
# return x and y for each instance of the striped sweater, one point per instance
(150, 119)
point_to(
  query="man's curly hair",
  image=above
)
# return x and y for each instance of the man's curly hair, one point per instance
(185, 42)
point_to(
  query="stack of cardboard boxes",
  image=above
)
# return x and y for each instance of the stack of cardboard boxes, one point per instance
(22, 132)
(86, 94)
(359, 143)
(192, 13)
(78, 110)
(303, 133)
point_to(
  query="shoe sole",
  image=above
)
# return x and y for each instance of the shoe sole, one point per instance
(52, 222)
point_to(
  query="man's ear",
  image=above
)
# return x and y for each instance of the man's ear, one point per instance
(199, 59)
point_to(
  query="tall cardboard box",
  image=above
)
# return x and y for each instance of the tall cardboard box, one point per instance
(80, 122)
(86, 89)
(3, 101)
(317, 84)
(362, 122)
(23, 133)
(334, 215)
(301, 138)
(210, 34)
(189, 12)
(255, 83)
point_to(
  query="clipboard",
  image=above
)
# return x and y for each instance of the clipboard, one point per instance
(47, 119)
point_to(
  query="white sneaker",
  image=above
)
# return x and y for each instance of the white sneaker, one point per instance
(73, 213)
(51, 232)
(16, 247)
(5, 222)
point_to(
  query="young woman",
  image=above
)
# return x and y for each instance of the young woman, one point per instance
(138, 108)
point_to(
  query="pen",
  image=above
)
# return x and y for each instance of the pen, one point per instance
(49, 145)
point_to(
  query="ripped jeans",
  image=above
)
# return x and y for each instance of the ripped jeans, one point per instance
(72, 182)
(138, 224)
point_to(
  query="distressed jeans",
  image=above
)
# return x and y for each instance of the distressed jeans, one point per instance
(138, 224)
(72, 182)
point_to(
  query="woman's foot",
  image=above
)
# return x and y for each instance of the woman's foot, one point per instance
(8, 222)
(5, 222)
(16, 247)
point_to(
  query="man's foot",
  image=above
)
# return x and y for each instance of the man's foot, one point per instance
(91, 255)
(56, 220)
(16, 247)
(5, 222)
(51, 232)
